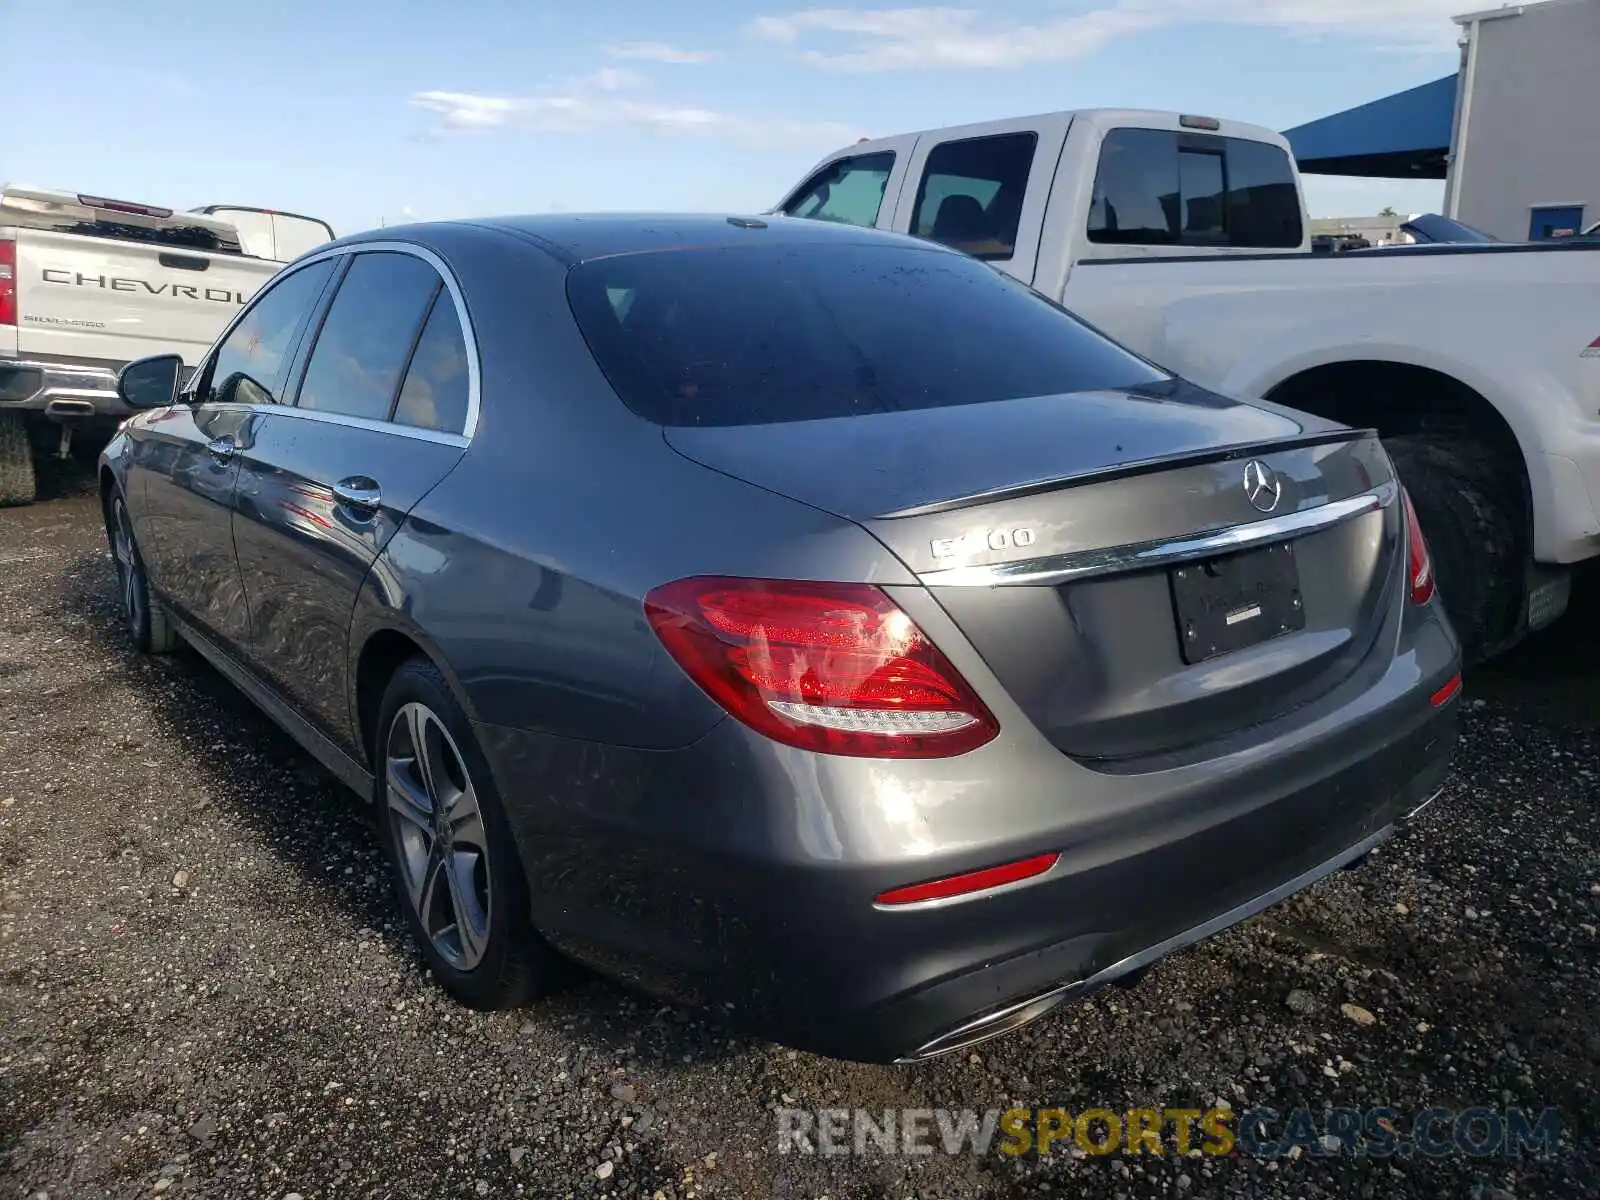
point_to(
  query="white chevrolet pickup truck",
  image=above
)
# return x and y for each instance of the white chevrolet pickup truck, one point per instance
(1186, 238)
(88, 284)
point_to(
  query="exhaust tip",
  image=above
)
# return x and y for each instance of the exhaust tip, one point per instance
(992, 1025)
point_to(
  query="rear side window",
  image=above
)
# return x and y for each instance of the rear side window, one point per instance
(848, 191)
(1154, 187)
(971, 193)
(367, 336)
(434, 395)
(252, 362)
(759, 335)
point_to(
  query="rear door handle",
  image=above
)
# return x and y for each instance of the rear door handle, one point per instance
(223, 449)
(360, 493)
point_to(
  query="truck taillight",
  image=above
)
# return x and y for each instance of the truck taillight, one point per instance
(8, 283)
(1419, 563)
(837, 668)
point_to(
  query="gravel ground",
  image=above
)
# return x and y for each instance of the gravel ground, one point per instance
(204, 990)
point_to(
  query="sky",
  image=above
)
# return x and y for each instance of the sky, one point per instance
(380, 113)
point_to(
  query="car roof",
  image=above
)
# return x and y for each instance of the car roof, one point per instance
(575, 237)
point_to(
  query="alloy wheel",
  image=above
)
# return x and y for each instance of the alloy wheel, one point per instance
(439, 832)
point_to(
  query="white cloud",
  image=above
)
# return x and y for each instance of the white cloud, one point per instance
(908, 38)
(465, 111)
(608, 99)
(659, 52)
(611, 79)
(963, 38)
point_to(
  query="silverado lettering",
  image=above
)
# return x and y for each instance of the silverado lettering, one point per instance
(118, 283)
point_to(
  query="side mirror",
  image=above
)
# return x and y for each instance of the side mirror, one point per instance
(150, 382)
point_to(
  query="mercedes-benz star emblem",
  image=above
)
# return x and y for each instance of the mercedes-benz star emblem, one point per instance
(1261, 486)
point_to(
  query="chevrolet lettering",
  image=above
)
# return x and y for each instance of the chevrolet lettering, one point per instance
(117, 283)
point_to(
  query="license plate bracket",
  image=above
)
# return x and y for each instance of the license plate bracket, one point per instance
(1236, 601)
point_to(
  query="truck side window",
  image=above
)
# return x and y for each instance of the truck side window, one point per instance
(971, 193)
(848, 191)
(1154, 187)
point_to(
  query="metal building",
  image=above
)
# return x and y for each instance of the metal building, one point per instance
(1515, 133)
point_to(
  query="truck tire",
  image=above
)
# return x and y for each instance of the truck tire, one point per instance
(16, 461)
(1469, 509)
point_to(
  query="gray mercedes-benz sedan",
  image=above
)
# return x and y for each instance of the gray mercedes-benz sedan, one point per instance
(799, 620)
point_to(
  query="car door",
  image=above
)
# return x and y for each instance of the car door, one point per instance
(185, 459)
(383, 411)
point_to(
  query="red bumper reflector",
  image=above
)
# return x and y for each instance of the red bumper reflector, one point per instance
(972, 881)
(1447, 692)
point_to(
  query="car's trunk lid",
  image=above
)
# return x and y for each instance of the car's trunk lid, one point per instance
(888, 464)
(1103, 553)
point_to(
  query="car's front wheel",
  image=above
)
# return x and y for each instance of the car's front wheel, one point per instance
(450, 849)
(147, 621)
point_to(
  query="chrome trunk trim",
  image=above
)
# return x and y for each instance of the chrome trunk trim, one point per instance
(1111, 560)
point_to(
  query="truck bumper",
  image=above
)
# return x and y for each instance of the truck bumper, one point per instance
(64, 392)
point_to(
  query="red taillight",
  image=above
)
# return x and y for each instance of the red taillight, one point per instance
(972, 881)
(8, 283)
(832, 667)
(1419, 563)
(1448, 692)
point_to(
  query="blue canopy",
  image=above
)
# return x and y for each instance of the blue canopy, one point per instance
(1403, 136)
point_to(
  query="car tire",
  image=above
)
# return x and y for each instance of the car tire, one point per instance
(451, 853)
(148, 623)
(17, 483)
(1468, 509)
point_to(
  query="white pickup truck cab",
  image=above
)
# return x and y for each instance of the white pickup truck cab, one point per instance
(88, 284)
(1186, 238)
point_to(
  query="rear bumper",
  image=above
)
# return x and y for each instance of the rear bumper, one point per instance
(61, 391)
(741, 876)
(996, 1022)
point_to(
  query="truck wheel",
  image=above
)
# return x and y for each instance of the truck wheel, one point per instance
(16, 461)
(1469, 509)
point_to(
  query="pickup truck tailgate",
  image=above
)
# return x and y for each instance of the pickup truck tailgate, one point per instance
(98, 298)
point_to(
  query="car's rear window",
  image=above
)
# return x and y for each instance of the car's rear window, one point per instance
(760, 335)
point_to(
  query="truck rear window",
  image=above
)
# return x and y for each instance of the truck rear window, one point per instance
(761, 335)
(1155, 187)
(183, 237)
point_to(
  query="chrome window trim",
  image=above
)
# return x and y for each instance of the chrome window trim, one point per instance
(468, 335)
(1111, 560)
(327, 418)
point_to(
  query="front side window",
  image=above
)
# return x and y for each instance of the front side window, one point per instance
(971, 194)
(1154, 187)
(848, 191)
(251, 363)
(760, 335)
(368, 334)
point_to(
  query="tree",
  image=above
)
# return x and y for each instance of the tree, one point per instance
(1387, 211)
